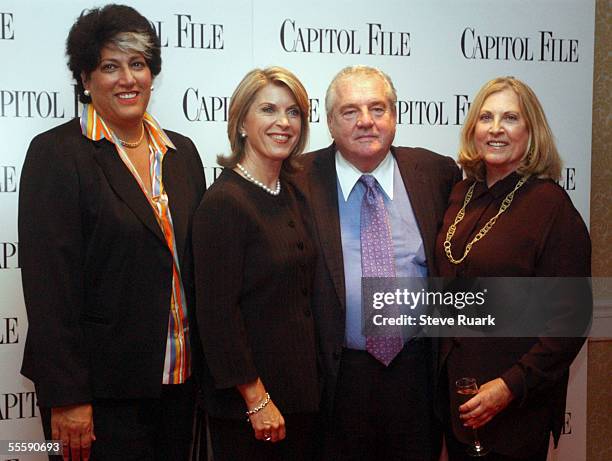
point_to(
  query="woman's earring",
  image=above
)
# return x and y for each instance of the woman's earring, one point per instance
(86, 92)
(243, 134)
(152, 87)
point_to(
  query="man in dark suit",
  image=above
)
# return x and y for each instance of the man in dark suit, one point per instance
(377, 406)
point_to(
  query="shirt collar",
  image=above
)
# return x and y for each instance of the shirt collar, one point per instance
(500, 189)
(93, 127)
(348, 174)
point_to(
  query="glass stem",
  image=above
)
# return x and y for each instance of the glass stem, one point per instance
(476, 440)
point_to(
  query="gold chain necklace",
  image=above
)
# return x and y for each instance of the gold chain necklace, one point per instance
(486, 228)
(132, 145)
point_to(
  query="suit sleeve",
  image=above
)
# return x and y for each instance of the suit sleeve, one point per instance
(219, 239)
(457, 174)
(198, 168)
(566, 253)
(51, 258)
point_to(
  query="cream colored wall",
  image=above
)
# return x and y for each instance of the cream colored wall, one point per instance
(599, 406)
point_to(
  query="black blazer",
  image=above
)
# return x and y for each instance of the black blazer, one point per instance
(428, 178)
(96, 270)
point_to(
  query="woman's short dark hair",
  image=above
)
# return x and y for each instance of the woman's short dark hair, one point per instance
(118, 25)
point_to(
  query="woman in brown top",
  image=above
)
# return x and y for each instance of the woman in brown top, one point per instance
(517, 223)
(254, 265)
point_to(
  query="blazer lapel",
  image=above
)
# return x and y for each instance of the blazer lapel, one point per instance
(174, 179)
(324, 194)
(418, 190)
(125, 185)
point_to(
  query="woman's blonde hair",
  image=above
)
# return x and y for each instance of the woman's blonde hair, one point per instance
(541, 157)
(241, 102)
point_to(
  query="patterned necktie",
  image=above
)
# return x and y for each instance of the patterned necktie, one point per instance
(377, 260)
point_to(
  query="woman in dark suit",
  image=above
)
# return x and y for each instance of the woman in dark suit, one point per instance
(510, 219)
(254, 266)
(105, 213)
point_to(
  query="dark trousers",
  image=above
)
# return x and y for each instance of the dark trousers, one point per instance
(456, 452)
(383, 413)
(141, 429)
(234, 440)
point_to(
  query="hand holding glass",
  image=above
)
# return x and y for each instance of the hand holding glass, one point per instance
(466, 389)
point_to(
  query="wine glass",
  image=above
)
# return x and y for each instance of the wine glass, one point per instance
(466, 389)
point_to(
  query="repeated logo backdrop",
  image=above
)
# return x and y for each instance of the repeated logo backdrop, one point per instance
(438, 53)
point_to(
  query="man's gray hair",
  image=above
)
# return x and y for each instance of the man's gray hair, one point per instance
(361, 70)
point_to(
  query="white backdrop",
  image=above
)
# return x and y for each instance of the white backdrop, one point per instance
(438, 53)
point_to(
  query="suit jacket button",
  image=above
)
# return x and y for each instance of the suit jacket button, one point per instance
(307, 312)
(291, 223)
(300, 245)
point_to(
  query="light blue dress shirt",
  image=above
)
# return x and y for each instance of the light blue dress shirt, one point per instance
(408, 247)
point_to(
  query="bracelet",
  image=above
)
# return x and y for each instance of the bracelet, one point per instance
(259, 407)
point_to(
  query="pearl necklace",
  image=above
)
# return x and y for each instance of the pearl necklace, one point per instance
(250, 177)
(132, 145)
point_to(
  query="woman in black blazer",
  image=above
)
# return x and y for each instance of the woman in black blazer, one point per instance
(254, 265)
(105, 211)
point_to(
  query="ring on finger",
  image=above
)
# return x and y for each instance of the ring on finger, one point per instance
(267, 437)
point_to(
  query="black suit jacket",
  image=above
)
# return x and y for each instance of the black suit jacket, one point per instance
(96, 270)
(428, 178)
